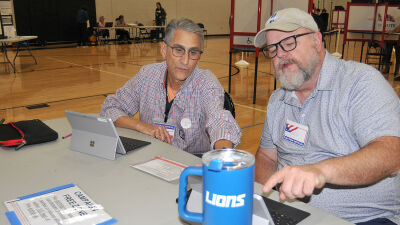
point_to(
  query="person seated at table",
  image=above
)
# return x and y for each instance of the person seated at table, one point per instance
(122, 33)
(102, 23)
(176, 96)
(331, 132)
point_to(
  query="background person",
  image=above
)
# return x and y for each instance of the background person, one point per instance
(388, 54)
(176, 96)
(317, 18)
(123, 34)
(160, 16)
(82, 18)
(324, 17)
(103, 32)
(332, 131)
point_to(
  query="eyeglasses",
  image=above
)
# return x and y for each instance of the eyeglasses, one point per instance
(287, 44)
(178, 51)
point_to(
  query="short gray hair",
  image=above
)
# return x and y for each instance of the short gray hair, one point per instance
(183, 24)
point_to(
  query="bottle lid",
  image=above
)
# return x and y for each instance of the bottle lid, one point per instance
(231, 159)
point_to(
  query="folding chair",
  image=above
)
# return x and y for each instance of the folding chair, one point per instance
(375, 55)
(143, 32)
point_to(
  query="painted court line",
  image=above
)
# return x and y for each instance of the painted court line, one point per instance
(248, 107)
(91, 68)
(254, 125)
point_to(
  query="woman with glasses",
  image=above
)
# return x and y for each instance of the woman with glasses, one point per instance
(178, 103)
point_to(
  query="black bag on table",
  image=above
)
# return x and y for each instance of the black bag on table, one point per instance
(26, 132)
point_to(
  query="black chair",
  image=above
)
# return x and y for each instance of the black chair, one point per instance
(102, 35)
(375, 55)
(143, 32)
(202, 27)
(228, 104)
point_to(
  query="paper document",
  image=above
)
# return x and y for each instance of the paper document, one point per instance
(66, 204)
(163, 168)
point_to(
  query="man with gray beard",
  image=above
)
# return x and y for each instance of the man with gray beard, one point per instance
(332, 132)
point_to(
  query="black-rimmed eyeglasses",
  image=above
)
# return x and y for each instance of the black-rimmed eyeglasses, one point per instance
(178, 51)
(287, 44)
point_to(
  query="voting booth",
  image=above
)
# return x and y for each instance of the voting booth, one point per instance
(247, 18)
(338, 19)
(245, 22)
(7, 19)
(370, 23)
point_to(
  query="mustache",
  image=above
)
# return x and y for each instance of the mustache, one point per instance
(286, 61)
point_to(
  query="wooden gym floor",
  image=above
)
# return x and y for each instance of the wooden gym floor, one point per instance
(79, 79)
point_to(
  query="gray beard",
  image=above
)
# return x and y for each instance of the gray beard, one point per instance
(294, 81)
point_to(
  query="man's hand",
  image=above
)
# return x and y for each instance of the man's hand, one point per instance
(156, 131)
(296, 181)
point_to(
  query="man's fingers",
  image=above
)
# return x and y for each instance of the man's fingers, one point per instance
(156, 134)
(162, 134)
(308, 188)
(153, 133)
(275, 179)
(289, 184)
(159, 132)
(296, 181)
(282, 196)
(167, 138)
(297, 188)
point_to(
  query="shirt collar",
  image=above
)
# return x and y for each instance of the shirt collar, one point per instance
(327, 75)
(187, 85)
(163, 73)
(164, 69)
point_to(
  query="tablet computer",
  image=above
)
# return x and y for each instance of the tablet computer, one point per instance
(97, 136)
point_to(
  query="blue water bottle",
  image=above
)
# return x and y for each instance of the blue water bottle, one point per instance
(228, 186)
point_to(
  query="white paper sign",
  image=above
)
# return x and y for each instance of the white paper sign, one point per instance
(67, 206)
(163, 168)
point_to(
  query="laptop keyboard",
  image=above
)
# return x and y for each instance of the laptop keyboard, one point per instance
(284, 214)
(132, 144)
(281, 219)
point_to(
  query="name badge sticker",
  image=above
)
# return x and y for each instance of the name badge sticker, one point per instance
(170, 129)
(295, 133)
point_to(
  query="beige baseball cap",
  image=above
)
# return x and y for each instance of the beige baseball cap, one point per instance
(289, 19)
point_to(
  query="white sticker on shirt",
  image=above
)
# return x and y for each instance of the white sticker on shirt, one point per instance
(295, 133)
(170, 129)
(186, 123)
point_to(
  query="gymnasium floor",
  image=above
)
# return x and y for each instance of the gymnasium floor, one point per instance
(79, 79)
